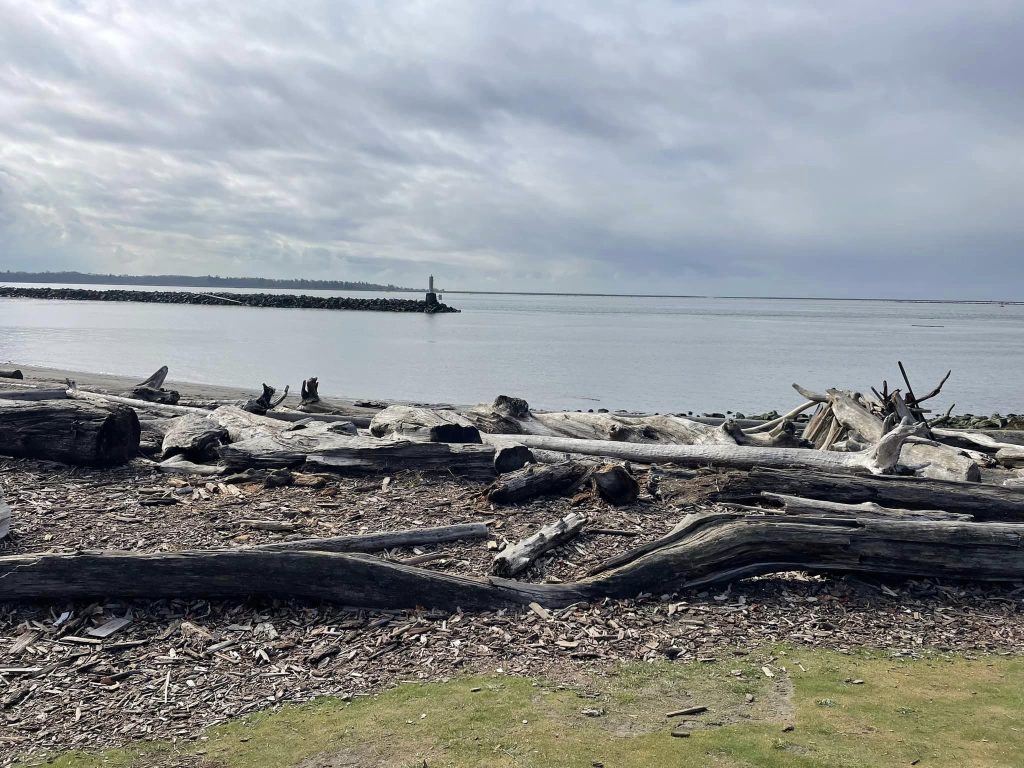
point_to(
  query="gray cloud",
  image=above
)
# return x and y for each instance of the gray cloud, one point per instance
(710, 146)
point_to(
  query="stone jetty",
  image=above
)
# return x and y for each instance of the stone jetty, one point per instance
(274, 300)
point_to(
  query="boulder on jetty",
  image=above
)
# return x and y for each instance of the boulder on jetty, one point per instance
(273, 300)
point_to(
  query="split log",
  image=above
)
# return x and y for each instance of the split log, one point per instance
(15, 374)
(797, 505)
(195, 437)
(69, 432)
(984, 502)
(435, 426)
(537, 480)
(517, 557)
(881, 459)
(719, 548)
(376, 542)
(5, 519)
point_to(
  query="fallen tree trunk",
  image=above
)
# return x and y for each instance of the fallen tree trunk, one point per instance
(15, 374)
(517, 557)
(69, 432)
(536, 480)
(718, 548)
(366, 454)
(432, 425)
(375, 542)
(984, 502)
(881, 459)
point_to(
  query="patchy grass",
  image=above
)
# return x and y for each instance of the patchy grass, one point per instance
(941, 711)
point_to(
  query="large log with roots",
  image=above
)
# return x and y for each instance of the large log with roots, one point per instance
(432, 425)
(151, 390)
(716, 548)
(69, 432)
(881, 459)
(983, 502)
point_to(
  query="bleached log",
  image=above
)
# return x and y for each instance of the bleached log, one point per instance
(195, 437)
(881, 459)
(1011, 456)
(517, 557)
(432, 425)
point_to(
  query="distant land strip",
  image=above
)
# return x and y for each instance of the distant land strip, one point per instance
(273, 300)
(196, 281)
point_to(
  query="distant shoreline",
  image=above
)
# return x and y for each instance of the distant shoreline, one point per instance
(187, 281)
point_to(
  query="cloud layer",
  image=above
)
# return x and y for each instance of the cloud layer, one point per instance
(726, 146)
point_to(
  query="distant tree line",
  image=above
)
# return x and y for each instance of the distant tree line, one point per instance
(193, 281)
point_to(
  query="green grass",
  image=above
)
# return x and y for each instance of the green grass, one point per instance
(940, 711)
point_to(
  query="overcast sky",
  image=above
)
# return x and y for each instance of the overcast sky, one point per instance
(846, 148)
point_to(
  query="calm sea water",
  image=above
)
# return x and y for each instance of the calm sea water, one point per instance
(556, 351)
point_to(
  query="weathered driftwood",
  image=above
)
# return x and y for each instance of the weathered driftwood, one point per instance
(433, 425)
(797, 505)
(516, 558)
(69, 432)
(881, 459)
(265, 401)
(32, 394)
(195, 437)
(182, 466)
(15, 374)
(992, 439)
(365, 454)
(151, 390)
(614, 484)
(375, 542)
(1011, 456)
(537, 480)
(5, 519)
(509, 458)
(260, 446)
(984, 502)
(309, 393)
(512, 416)
(718, 548)
(932, 460)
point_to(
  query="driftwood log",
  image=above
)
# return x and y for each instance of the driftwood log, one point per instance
(151, 390)
(881, 459)
(717, 548)
(516, 558)
(536, 480)
(15, 374)
(984, 502)
(69, 432)
(797, 505)
(365, 454)
(195, 437)
(265, 401)
(433, 425)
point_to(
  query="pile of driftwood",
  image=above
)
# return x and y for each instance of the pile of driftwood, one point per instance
(866, 484)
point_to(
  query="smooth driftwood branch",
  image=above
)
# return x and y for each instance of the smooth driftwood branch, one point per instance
(375, 542)
(718, 548)
(517, 557)
(984, 502)
(881, 459)
(797, 505)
